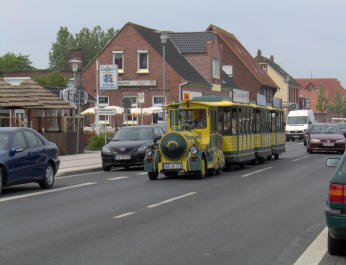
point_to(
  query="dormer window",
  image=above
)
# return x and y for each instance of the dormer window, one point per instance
(216, 68)
(264, 67)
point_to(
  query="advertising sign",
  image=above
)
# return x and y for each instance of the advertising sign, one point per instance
(106, 111)
(277, 103)
(240, 96)
(261, 100)
(108, 77)
(103, 101)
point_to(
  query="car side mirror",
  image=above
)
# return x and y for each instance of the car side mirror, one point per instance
(332, 162)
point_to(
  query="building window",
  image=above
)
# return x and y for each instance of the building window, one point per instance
(157, 100)
(216, 68)
(118, 59)
(4, 118)
(264, 67)
(143, 60)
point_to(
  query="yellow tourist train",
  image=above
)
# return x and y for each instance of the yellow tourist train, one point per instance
(207, 133)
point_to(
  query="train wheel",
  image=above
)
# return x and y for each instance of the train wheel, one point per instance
(201, 174)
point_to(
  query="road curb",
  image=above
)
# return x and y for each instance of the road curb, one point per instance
(78, 171)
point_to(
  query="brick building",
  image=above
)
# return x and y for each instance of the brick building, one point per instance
(309, 90)
(197, 63)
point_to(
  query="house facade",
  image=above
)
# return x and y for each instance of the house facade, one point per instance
(309, 90)
(288, 87)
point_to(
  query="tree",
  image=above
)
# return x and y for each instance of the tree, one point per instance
(337, 102)
(16, 62)
(344, 106)
(58, 55)
(54, 79)
(322, 101)
(90, 41)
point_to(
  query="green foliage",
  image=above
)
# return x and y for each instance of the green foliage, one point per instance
(54, 79)
(337, 102)
(344, 106)
(58, 55)
(322, 101)
(15, 62)
(98, 141)
(90, 41)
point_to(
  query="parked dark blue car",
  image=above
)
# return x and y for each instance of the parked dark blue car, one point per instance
(26, 156)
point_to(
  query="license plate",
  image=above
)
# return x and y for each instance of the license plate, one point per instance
(122, 157)
(328, 144)
(172, 166)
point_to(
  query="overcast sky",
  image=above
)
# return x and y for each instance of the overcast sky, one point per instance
(306, 37)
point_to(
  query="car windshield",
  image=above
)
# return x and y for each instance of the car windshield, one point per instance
(342, 126)
(134, 133)
(325, 129)
(297, 120)
(4, 137)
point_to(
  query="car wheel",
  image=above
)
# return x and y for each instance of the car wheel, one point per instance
(153, 175)
(201, 174)
(335, 246)
(106, 168)
(48, 177)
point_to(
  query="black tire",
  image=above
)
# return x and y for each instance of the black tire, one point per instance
(202, 173)
(276, 156)
(269, 157)
(106, 168)
(335, 246)
(47, 181)
(153, 175)
(308, 150)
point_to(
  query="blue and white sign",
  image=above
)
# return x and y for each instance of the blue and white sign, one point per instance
(241, 96)
(108, 77)
(277, 103)
(261, 100)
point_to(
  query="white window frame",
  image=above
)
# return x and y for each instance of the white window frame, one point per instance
(264, 67)
(120, 70)
(216, 68)
(139, 52)
(157, 105)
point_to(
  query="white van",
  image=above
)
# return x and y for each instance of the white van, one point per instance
(297, 123)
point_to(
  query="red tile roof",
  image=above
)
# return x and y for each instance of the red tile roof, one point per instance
(244, 56)
(330, 84)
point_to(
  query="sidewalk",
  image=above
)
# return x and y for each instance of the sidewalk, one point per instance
(79, 163)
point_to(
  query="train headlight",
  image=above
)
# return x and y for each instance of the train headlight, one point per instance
(148, 151)
(193, 151)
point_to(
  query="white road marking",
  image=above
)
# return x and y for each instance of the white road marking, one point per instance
(118, 178)
(315, 252)
(46, 191)
(77, 175)
(172, 199)
(123, 215)
(304, 157)
(255, 172)
(142, 173)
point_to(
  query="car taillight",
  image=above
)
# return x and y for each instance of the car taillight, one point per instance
(336, 193)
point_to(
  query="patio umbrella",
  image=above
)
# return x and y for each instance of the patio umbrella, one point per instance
(88, 111)
(118, 110)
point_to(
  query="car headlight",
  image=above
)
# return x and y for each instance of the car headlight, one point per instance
(340, 141)
(148, 151)
(193, 150)
(142, 148)
(106, 149)
(315, 140)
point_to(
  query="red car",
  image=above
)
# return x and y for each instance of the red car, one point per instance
(325, 137)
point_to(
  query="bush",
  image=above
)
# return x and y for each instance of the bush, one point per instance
(98, 141)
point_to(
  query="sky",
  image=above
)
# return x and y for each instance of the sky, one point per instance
(306, 37)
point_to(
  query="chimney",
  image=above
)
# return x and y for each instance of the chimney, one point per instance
(272, 58)
(259, 53)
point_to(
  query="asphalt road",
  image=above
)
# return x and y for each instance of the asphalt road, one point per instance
(264, 214)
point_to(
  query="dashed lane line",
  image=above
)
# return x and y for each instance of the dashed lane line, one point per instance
(118, 178)
(315, 252)
(171, 200)
(300, 158)
(123, 215)
(46, 191)
(255, 172)
(142, 173)
(77, 175)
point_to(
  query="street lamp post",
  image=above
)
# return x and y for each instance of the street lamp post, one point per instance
(164, 37)
(75, 63)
